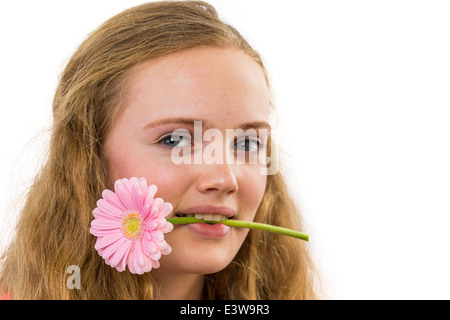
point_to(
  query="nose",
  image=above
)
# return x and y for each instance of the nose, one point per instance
(218, 178)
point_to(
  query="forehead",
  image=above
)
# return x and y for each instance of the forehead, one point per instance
(205, 83)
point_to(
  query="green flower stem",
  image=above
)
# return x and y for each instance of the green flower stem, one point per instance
(244, 224)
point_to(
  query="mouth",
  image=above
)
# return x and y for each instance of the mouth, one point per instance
(207, 212)
(209, 226)
(204, 216)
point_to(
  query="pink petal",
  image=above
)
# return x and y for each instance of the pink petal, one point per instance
(124, 196)
(147, 264)
(137, 267)
(112, 248)
(134, 181)
(159, 221)
(143, 183)
(159, 203)
(153, 213)
(133, 261)
(155, 264)
(139, 253)
(118, 183)
(105, 224)
(107, 240)
(151, 191)
(167, 250)
(163, 225)
(137, 197)
(156, 255)
(164, 247)
(103, 233)
(161, 244)
(130, 261)
(109, 208)
(111, 197)
(151, 225)
(126, 185)
(122, 264)
(157, 235)
(101, 214)
(167, 227)
(145, 210)
(120, 252)
(149, 247)
(166, 210)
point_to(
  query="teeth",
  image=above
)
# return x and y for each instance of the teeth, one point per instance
(210, 217)
(204, 216)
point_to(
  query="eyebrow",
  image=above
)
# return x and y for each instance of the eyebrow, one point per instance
(190, 122)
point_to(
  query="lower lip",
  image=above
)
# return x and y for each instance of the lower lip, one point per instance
(213, 231)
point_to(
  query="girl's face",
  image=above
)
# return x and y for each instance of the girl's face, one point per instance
(224, 89)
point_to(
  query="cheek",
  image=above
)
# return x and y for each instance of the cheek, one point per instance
(171, 180)
(133, 161)
(252, 189)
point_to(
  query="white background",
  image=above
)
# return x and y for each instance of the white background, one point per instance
(363, 95)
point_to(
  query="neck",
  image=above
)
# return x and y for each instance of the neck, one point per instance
(173, 286)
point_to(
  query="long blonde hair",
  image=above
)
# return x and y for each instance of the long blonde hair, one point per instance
(53, 230)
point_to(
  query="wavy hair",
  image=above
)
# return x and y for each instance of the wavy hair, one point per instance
(53, 228)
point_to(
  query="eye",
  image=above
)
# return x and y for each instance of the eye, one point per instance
(176, 139)
(248, 145)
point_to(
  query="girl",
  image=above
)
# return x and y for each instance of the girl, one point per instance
(149, 71)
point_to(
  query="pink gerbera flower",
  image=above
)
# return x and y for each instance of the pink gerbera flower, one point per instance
(130, 225)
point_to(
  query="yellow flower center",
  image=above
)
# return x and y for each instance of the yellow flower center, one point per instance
(133, 226)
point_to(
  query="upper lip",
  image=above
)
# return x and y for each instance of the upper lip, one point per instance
(207, 208)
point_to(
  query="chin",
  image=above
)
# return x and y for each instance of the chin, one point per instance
(204, 260)
(198, 256)
(211, 263)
